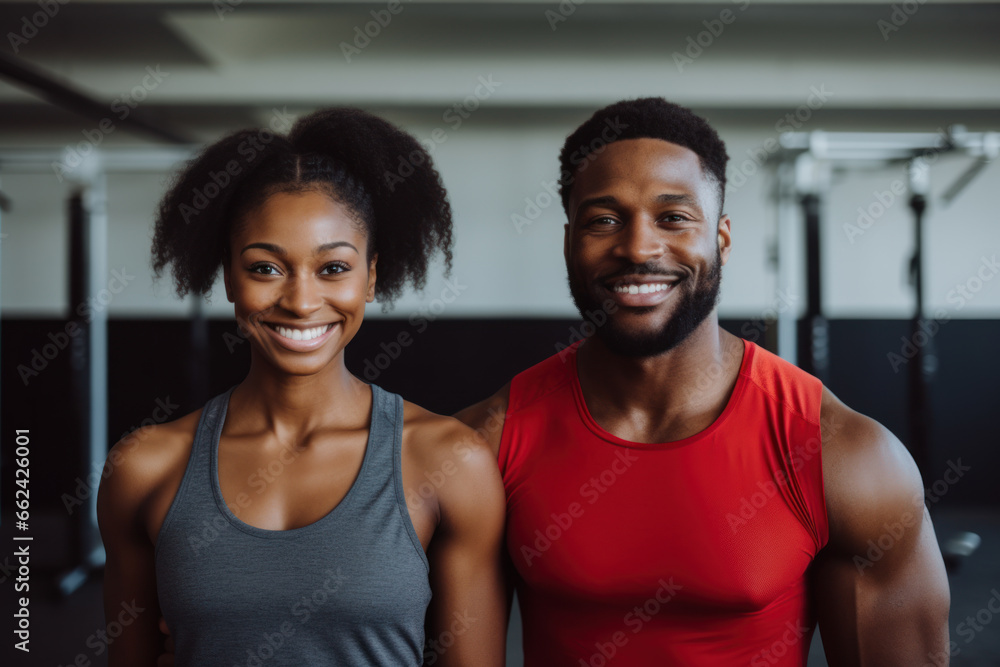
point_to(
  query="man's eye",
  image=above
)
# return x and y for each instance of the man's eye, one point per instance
(604, 220)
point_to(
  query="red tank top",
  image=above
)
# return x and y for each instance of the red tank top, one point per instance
(692, 552)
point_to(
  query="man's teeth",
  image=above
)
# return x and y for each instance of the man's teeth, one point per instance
(645, 288)
(302, 334)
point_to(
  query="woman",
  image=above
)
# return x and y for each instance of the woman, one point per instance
(304, 517)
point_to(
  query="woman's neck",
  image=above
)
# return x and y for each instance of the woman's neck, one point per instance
(291, 407)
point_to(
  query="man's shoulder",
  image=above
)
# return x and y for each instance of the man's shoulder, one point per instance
(793, 388)
(487, 417)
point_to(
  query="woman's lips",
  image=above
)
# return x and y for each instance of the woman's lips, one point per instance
(300, 345)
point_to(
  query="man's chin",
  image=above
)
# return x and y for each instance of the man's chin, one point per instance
(635, 344)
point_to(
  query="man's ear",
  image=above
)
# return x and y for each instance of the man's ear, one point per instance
(725, 238)
(371, 278)
(566, 243)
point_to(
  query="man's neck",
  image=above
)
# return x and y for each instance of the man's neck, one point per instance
(666, 397)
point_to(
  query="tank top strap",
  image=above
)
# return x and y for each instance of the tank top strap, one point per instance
(385, 436)
(195, 492)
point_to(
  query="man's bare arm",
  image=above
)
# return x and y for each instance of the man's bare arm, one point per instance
(885, 604)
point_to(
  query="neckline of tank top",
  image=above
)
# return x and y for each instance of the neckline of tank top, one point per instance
(588, 419)
(268, 533)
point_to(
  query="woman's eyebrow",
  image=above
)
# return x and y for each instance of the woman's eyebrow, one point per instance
(278, 250)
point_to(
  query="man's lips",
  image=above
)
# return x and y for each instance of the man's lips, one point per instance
(640, 291)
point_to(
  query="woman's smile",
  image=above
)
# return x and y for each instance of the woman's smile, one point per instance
(301, 339)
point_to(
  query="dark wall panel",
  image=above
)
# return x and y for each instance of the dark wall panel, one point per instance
(453, 363)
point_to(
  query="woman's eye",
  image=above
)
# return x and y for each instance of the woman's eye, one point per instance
(255, 269)
(337, 267)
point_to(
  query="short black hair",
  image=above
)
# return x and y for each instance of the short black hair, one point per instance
(378, 171)
(646, 117)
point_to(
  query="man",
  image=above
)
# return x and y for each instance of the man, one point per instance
(677, 495)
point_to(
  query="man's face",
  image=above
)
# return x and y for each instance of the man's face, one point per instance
(645, 232)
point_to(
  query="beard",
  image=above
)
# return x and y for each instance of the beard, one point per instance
(693, 306)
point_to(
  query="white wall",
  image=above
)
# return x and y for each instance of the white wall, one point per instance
(490, 168)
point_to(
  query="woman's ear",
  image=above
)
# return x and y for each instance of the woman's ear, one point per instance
(371, 278)
(226, 279)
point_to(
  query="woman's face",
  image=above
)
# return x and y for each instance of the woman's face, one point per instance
(298, 277)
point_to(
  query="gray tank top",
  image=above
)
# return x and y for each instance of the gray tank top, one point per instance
(349, 589)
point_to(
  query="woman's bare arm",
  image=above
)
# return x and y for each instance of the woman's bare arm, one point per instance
(130, 599)
(467, 618)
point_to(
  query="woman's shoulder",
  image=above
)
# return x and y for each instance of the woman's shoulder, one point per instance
(145, 467)
(460, 465)
(433, 433)
(439, 442)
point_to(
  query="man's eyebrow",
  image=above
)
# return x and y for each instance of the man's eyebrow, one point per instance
(597, 201)
(677, 199)
(278, 250)
(666, 198)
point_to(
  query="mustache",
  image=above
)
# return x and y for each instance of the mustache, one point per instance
(645, 269)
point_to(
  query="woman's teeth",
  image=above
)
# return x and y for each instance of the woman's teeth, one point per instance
(641, 289)
(302, 334)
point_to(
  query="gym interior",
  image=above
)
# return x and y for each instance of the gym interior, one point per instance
(862, 188)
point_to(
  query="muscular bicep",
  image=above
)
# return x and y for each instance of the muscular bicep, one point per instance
(881, 589)
(466, 622)
(130, 601)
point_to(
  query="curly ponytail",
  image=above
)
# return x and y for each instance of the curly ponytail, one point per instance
(347, 153)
